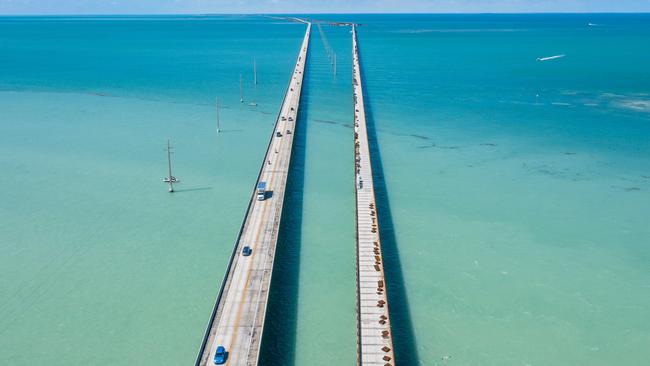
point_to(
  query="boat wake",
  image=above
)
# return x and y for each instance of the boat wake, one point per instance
(550, 58)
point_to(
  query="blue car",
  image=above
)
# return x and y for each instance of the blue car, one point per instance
(246, 251)
(220, 356)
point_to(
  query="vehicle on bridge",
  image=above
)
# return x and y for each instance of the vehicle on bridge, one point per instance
(220, 356)
(261, 191)
(246, 251)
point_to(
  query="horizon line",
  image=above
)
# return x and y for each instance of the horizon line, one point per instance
(327, 13)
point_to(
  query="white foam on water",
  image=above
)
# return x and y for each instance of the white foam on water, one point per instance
(639, 105)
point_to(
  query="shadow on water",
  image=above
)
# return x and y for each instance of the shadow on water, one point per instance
(280, 328)
(406, 353)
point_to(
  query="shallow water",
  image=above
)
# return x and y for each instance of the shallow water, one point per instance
(99, 263)
(513, 193)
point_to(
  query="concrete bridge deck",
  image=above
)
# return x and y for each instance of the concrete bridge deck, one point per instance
(374, 336)
(238, 317)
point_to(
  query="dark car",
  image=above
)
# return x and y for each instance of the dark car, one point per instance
(220, 356)
(246, 251)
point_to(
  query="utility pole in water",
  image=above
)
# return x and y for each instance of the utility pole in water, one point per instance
(218, 124)
(254, 72)
(170, 179)
(241, 89)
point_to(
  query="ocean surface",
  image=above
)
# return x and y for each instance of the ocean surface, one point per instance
(513, 193)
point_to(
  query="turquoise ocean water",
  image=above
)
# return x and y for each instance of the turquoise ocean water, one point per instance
(514, 194)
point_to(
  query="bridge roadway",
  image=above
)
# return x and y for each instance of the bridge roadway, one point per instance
(374, 336)
(238, 316)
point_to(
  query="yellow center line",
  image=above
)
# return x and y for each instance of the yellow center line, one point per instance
(257, 234)
(265, 208)
(248, 274)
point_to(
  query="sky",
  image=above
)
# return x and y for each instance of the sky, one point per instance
(37, 7)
